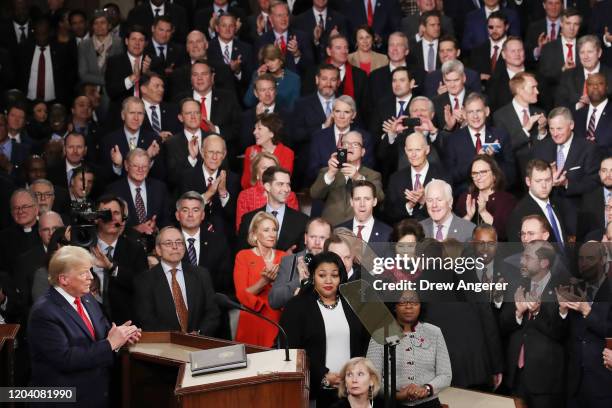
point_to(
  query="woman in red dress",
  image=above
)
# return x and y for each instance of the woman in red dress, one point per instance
(267, 139)
(254, 272)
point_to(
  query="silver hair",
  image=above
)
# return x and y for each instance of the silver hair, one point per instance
(190, 195)
(446, 188)
(137, 152)
(43, 181)
(430, 105)
(588, 39)
(452, 66)
(561, 111)
(348, 100)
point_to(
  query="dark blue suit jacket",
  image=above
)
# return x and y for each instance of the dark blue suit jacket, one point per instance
(156, 201)
(308, 116)
(475, 32)
(460, 151)
(380, 230)
(304, 44)
(145, 138)
(323, 144)
(63, 353)
(603, 131)
(306, 22)
(239, 48)
(433, 79)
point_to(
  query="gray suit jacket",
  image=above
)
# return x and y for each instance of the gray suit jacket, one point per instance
(89, 71)
(460, 229)
(337, 195)
(287, 281)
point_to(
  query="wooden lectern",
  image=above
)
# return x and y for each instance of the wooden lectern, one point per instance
(8, 332)
(156, 373)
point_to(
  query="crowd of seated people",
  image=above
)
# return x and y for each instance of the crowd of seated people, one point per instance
(256, 147)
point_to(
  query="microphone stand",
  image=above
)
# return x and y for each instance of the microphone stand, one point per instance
(224, 300)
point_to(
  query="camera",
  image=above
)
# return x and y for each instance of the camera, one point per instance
(83, 219)
(411, 122)
(341, 155)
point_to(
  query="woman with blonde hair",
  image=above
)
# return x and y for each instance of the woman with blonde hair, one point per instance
(359, 384)
(255, 270)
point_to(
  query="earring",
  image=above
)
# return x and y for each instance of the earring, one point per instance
(370, 393)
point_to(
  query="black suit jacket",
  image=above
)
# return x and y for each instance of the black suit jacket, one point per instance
(581, 164)
(416, 56)
(480, 58)
(221, 218)
(498, 90)
(8, 36)
(543, 339)
(304, 44)
(8, 72)
(174, 55)
(143, 15)
(25, 266)
(14, 241)
(215, 257)
(380, 230)
(291, 231)
(118, 291)
(118, 67)
(155, 306)
(528, 206)
(379, 82)
(239, 49)
(177, 162)
(460, 151)
(571, 86)
(180, 80)
(440, 101)
(63, 64)
(168, 115)
(603, 131)
(156, 201)
(395, 200)
(145, 138)
(303, 322)
(308, 116)
(306, 23)
(506, 118)
(591, 214)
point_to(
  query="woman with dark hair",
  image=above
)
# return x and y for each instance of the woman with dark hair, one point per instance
(364, 57)
(423, 364)
(486, 202)
(288, 83)
(321, 321)
(406, 234)
(268, 130)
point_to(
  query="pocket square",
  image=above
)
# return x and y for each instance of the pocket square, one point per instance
(574, 168)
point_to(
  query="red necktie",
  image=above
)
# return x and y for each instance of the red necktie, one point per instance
(370, 13)
(40, 80)
(204, 125)
(137, 82)
(570, 53)
(359, 229)
(456, 104)
(283, 44)
(81, 312)
(478, 143)
(339, 143)
(494, 58)
(553, 32)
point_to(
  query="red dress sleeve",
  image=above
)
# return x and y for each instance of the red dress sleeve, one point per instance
(246, 273)
(245, 180)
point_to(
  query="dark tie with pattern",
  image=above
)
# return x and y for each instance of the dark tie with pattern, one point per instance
(141, 212)
(191, 252)
(179, 302)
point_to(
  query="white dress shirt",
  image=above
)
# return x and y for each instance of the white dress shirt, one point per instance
(180, 277)
(499, 44)
(366, 232)
(317, 13)
(143, 192)
(49, 81)
(161, 8)
(70, 299)
(460, 97)
(425, 50)
(17, 29)
(422, 175)
(564, 43)
(148, 105)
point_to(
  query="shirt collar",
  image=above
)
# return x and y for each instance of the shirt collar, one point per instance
(162, 8)
(446, 224)
(518, 107)
(104, 246)
(567, 144)
(166, 268)
(130, 134)
(539, 201)
(599, 107)
(422, 172)
(196, 236)
(368, 224)
(280, 211)
(143, 186)
(71, 166)
(594, 71)
(189, 135)
(207, 174)
(69, 298)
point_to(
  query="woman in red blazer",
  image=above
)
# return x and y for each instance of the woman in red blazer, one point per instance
(486, 202)
(255, 270)
(268, 127)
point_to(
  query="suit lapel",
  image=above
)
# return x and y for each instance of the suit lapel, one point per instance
(190, 285)
(165, 293)
(213, 107)
(284, 228)
(572, 155)
(93, 315)
(63, 303)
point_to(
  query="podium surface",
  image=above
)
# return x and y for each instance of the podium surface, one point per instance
(156, 373)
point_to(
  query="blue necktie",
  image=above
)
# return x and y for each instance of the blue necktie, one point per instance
(553, 223)
(401, 108)
(191, 252)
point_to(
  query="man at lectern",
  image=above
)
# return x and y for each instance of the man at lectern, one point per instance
(71, 342)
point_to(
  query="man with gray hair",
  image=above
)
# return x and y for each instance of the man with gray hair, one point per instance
(570, 92)
(449, 105)
(147, 197)
(575, 161)
(45, 194)
(442, 223)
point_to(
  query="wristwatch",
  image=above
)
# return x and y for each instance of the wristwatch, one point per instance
(429, 390)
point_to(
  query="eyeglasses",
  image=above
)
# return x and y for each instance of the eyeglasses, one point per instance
(351, 144)
(477, 174)
(44, 195)
(173, 244)
(210, 153)
(403, 303)
(23, 208)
